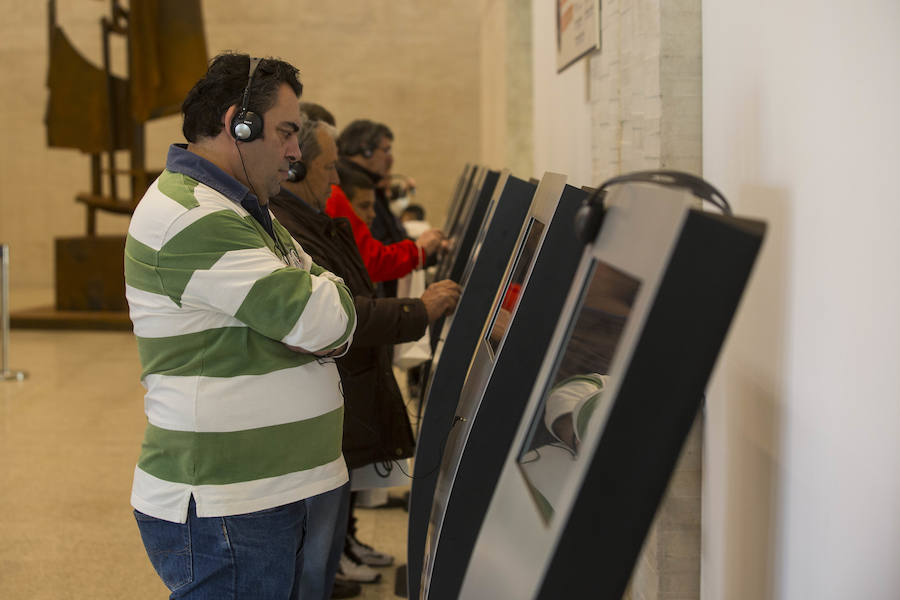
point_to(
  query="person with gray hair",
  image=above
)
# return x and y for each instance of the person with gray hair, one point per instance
(317, 112)
(376, 424)
(366, 146)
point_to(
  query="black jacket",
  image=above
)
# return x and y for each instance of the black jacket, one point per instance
(376, 425)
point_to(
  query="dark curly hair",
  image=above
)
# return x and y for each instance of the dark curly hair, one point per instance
(222, 87)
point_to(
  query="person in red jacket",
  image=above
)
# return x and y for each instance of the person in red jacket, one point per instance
(366, 147)
(384, 262)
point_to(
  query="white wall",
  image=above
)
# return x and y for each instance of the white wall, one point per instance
(562, 111)
(802, 472)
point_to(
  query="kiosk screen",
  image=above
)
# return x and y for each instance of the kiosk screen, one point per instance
(575, 393)
(512, 290)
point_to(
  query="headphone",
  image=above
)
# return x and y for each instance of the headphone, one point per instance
(590, 215)
(297, 172)
(246, 125)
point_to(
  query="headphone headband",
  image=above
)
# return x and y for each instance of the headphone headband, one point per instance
(247, 125)
(245, 98)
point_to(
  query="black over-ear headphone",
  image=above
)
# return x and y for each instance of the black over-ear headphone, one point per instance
(589, 217)
(246, 125)
(297, 171)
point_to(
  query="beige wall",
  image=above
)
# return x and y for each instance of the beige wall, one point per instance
(506, 86)
(412, 65)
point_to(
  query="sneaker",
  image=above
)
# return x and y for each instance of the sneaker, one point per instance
(367, 554)
(350, 568)
(345, 589)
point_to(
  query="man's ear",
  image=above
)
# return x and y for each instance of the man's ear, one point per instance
(228, 118)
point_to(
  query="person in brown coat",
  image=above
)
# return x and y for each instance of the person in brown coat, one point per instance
(376, 425)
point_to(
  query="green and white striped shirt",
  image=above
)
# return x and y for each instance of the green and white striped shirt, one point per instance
(235, 418)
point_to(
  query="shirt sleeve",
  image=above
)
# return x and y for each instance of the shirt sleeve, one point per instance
(223, 263)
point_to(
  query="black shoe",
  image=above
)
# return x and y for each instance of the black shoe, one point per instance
(345, 589)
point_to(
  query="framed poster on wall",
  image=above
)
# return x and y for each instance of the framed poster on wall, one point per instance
(577, 30)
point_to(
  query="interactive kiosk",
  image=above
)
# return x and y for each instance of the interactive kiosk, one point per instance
(461, 236)
(453, 352)
(508, 356)
(617, 392)
(459, 192)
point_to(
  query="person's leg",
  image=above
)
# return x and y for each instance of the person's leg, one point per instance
(268, 550)
(323, 515)
(257, 555)
(351, 568)
(340, 530)
(361, 551)
(351, 517)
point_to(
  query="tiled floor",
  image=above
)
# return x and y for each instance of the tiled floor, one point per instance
(69, 438)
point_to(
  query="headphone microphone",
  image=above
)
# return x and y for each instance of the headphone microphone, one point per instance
(246, 125)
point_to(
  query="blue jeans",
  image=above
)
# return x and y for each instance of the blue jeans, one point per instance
(257, 555)
(327, 523)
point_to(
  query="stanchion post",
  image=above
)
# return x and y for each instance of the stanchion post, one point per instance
(6, 374)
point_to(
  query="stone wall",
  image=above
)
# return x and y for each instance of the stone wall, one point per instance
(645, 90)
(646, 86)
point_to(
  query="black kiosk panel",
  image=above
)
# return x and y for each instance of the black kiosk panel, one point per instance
(454, 349)
(615, 397)
(462, 241)
(456, 220)
(462, 238)
(459, 192)
(507, 359)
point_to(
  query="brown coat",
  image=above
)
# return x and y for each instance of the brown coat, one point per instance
(376, 425)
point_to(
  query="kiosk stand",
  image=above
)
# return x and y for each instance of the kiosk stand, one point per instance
(617, 392)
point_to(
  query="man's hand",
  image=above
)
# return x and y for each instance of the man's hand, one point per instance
(430, 241)
(440, 298)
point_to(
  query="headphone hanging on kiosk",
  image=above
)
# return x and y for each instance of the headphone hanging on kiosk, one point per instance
(246, 125)
(297, 171)
(589, 217)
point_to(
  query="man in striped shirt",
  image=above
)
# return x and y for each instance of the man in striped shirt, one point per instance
(235, 326)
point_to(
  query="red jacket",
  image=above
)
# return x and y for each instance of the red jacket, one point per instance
(383, 262)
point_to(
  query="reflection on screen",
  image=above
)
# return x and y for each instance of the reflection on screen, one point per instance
(512, 291)
(575, 390)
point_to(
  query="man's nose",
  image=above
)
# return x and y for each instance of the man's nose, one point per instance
(293, 153)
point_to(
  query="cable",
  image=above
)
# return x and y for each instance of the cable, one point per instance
(275, 239)
(589, 217)
(385, 450)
